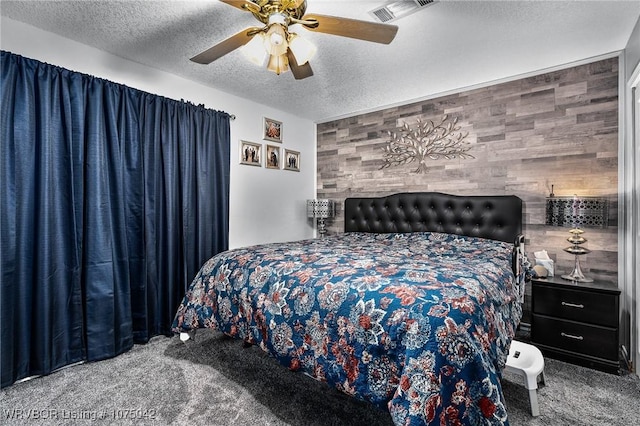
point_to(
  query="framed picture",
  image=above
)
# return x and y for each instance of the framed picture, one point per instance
(272, 130)
(291, 160)
(272, 157)
(251, 153)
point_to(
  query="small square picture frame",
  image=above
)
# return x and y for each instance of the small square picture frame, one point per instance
(272, 157)
(251, 153)
(291, 160)
(271, 130)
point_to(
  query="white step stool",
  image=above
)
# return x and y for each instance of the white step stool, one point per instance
(527, 361)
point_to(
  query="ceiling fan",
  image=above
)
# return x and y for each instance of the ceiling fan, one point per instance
(284, 48)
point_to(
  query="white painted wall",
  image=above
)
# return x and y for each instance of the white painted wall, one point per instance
(629, 183)
(266, 205)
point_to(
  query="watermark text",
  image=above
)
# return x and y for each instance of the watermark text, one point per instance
(56, 414)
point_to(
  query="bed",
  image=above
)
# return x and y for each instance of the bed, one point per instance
(412, 308)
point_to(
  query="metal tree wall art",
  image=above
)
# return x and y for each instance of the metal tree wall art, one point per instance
(427, 141)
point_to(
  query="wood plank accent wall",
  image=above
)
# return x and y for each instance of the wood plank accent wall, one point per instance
(557, 128)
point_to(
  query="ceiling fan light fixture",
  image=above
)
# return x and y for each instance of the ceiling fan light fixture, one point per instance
(285, 50)
(254, 50)
(301, 48)
(278, 64)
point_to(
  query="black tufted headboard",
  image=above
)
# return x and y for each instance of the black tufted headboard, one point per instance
(494, 217)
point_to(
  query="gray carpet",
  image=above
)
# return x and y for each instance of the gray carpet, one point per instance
(213, 380)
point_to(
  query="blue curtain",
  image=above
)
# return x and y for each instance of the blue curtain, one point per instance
(111, 199)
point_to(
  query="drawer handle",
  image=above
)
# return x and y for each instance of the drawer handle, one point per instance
(571, 336)
(572, 305)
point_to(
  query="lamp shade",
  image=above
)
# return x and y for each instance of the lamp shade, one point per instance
(278, 64)
(577, 212)
(275, 42)
(254, 50)
(321, 208)
(302, 49)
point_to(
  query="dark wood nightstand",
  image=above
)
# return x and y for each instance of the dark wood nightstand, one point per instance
(577, 322)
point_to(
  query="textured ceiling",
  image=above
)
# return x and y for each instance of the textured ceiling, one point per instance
(443, 47)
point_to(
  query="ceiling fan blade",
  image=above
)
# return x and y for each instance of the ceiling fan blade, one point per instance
(299, 71)
(243, 5)
(353, 28)
(226, 46)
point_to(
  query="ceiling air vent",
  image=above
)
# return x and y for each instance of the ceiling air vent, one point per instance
(398, 9)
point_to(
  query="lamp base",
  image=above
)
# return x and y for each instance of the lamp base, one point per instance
(576, 274)
(322, 228)
(578, 279)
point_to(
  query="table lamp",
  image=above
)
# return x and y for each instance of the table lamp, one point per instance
(577, 213)
(320, 209)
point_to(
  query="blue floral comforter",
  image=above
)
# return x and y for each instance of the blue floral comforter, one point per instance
(417, 323)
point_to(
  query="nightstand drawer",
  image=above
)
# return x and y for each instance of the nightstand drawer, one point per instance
(577, 305)
(571, 336)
